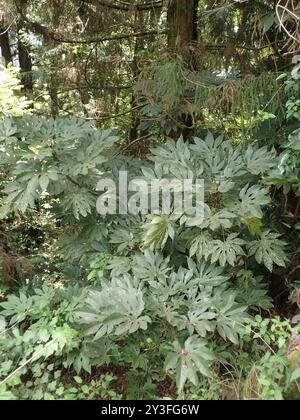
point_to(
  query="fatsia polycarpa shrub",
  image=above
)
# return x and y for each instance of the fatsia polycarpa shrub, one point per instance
(195, 278)
(173, 279)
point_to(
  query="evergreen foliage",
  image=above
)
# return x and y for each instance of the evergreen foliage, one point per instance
(149, 306)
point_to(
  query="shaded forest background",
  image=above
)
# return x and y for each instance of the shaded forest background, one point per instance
(107, 61)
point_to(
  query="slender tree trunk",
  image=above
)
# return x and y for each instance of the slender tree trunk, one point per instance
(182, 22)
(142, 146)
(5, 45)
(84, 97)
(135, 119)
(183, 32)
(26, 68)
(53, 97)
(24, 54)
(53, 82)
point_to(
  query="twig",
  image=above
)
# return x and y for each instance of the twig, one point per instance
(280, 19)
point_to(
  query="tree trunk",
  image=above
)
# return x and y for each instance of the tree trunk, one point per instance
(26, 68)
(182, 22)
(183, 32)
(142, 146)
(5, 45)
(53, 96)
(55, 106)
(24, 53)
(138, 47)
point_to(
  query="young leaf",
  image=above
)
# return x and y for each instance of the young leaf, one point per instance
(158, 230)
(193, 358)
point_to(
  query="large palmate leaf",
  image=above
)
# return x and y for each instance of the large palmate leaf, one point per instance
(211, 152)
(269, 250)
(220, 219)
(210, 275)
(230, 317)
(252, 291)
(80, 202)
(123, 238)
(251, 200)
(176, 283)
(174, 158)
(200, 321)
(116, 309)
(58, 157)
(17, 308)
(150, 266)
(23, 197)
(259, 160)
(119, 266)
(200, 245)
(227, 251)
(187, 361)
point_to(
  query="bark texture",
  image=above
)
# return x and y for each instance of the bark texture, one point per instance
(182, 22)
(183, 33)
(5, 45)
(24, 52)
